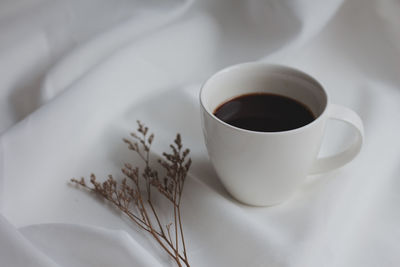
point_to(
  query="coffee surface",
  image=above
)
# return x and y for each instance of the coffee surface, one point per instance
(264, 112)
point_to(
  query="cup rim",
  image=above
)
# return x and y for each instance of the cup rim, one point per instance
(263, 64)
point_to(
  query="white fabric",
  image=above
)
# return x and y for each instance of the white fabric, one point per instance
(76, 75)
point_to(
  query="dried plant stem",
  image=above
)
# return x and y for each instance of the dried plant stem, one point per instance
(181, 231)
(128, 196)
(156, 216)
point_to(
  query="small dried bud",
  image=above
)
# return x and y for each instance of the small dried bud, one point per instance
(150, 140)
(128, 166)
(134, 135)
(185, 153)
(178, 141)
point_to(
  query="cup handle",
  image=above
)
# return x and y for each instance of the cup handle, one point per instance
(348, 116)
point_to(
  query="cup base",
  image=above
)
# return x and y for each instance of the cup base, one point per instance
(257, 204)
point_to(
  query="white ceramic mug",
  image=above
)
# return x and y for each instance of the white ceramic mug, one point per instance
(265, 168)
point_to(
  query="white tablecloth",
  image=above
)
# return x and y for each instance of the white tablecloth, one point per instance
(76, 75)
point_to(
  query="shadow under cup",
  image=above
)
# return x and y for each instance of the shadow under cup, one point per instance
(262, 168)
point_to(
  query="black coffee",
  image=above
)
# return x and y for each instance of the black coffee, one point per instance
(264, 112)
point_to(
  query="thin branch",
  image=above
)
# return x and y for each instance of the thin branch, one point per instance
(175, 224)
(181, 230)
(156, 216)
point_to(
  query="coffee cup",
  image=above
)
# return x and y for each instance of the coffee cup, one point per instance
(265, 168)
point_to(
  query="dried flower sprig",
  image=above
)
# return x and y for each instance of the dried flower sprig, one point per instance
(135, 199)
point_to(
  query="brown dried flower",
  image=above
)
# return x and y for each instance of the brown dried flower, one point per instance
(134, 199)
